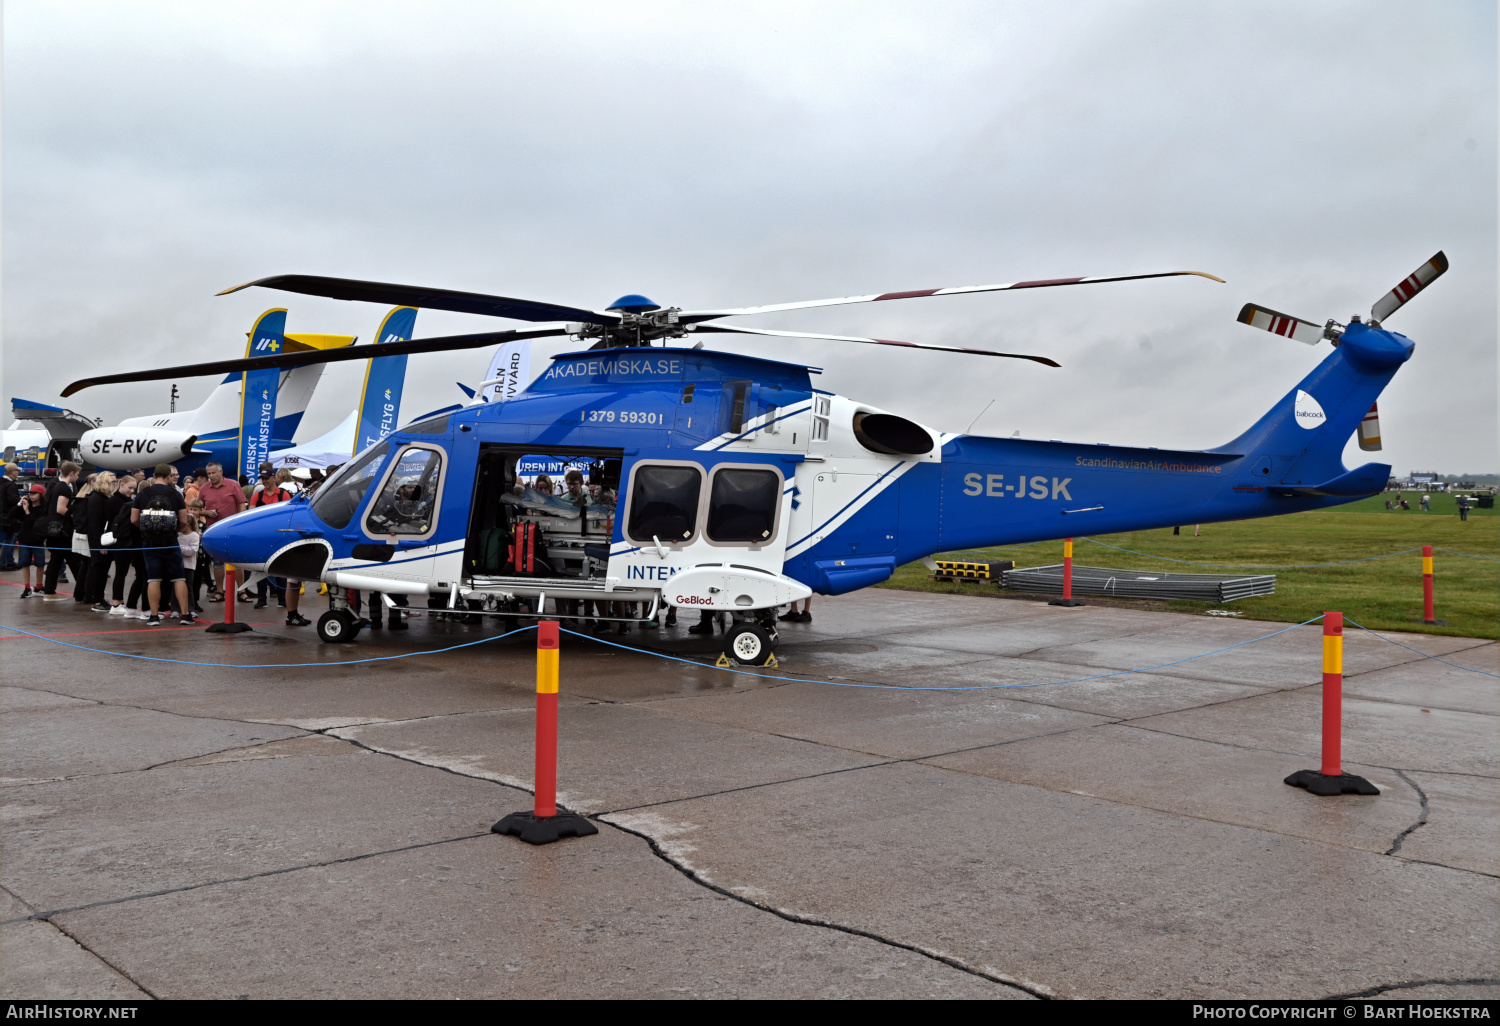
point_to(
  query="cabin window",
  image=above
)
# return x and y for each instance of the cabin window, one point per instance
(407, 504)
(338, 498)
(664, 503)
(742, 505)
(820, 418)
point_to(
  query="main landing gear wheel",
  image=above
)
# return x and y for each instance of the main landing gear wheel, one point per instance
(747, 643)
(338, 625)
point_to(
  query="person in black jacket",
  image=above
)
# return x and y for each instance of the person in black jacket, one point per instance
(96, 525)
(33, 540)
(59, 533)
(10, 516)
(126, 551)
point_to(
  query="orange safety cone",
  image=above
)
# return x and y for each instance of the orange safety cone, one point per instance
(544, 824)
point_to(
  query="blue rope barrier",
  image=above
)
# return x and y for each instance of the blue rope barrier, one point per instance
(970, 687)
(1471, 555)
(265, 666)
(1418, 651)
(111, 549)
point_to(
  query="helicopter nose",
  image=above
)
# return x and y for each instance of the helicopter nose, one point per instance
(250, 538)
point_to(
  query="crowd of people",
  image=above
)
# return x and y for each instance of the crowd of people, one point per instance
(130, 545)
(105, 531)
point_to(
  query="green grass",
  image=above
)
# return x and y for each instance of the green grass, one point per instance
(1381, 594)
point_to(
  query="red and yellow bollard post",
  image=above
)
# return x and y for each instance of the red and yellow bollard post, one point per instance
(1333, 694)
(230, 589)
(544, 824)
(1331, 779)
(1427, 613)
(1067, 595)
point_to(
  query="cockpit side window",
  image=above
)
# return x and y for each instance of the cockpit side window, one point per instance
(341, 495)
(664, 503)
(742, 505)
(407, 504)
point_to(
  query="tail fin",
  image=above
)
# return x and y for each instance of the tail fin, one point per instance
(1298, 446)
(380, 401)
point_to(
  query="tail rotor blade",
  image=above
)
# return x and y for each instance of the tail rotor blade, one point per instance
(446, 343)
(716, 329)
(1417, 281)
(1282, 324)
(1369, 430)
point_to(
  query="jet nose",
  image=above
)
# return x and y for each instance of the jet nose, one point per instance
(251, 538)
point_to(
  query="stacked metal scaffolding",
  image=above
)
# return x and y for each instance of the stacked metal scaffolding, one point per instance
(1109, 583)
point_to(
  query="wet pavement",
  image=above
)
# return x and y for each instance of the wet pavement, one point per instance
(179, 830)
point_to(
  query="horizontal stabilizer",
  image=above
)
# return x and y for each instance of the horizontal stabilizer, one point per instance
(304, 341)
(1281, 324)
(1366, 480)
(59, 422)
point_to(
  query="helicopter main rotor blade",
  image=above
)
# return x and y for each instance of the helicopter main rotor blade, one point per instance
(1402, 294)
(693, 316)
(442, 344)
(720, 330)
(430, 299)
(1282, 324)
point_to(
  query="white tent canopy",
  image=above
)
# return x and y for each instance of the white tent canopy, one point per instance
(328, 451)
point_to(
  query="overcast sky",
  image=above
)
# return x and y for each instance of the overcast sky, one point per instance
(711, 154)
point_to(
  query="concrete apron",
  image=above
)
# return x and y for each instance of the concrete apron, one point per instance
(182, 831)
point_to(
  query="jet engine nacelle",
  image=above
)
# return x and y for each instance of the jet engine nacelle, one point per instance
(127, 448)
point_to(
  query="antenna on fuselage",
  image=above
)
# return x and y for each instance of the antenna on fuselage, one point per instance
(981, 413)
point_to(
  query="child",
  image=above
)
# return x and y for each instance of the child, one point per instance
(187, 543)
(197, 576)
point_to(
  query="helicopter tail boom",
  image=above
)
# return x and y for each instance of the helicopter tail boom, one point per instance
(1007, 491)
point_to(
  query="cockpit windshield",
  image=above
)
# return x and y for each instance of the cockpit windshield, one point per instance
(341, 495)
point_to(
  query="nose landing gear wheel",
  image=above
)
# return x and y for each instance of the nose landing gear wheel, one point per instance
(748, 644)
(338, 625)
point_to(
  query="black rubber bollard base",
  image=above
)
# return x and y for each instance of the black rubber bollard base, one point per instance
(534, 829)
(227, 628)
(1344, 783)
(1067, 602)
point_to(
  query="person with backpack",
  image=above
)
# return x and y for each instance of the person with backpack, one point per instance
(95, 526)
(268, 493)
(59, 534)
(159, 513)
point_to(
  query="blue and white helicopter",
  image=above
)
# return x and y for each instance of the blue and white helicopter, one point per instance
(741, 486)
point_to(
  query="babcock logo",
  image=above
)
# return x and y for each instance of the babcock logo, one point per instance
(1306, 411)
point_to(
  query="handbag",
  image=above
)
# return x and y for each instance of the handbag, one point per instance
(81, 543)
(56, 528)
(107, 540)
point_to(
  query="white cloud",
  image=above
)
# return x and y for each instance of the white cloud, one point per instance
(711, 154)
